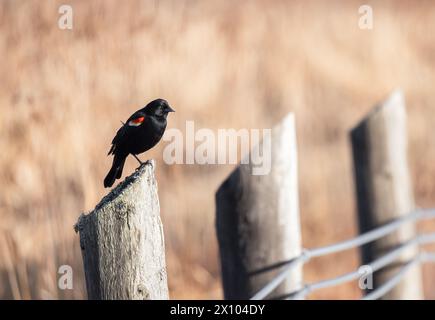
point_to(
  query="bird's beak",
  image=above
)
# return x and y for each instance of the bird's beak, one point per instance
(169, 109)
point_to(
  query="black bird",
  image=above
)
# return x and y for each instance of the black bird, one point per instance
(142, 131)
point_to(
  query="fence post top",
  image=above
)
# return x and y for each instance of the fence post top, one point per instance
(394, 101)
(145, 169)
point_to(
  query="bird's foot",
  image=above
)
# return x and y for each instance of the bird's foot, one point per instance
(143, 163)
(140, 162)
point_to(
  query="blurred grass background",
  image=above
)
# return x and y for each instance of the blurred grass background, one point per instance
(223, 64)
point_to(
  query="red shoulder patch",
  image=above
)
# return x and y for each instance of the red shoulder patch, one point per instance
(136, 122)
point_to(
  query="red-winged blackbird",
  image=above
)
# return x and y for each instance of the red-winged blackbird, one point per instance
(142, 131)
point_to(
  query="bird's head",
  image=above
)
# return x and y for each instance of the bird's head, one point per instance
(158, 108)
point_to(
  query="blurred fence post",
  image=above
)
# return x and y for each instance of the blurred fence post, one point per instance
(384, 189)
(122, 242)
(257, 219)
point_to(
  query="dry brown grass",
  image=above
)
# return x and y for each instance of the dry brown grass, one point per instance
(222, 64)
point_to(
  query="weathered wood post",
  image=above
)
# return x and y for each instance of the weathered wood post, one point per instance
(257, 217)
(122, 241)
(384, 190)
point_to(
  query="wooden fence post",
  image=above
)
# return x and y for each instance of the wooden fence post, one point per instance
(257, 219)
(384, 190)
(122, 242)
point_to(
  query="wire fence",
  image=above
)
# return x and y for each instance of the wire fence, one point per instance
(379, 263)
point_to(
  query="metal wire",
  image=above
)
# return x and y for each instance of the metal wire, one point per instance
(393, 281)
(365, 238)
(375, 265)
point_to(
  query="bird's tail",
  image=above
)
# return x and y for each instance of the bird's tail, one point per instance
(116, 170)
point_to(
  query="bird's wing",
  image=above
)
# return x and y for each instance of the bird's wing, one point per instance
(135, 120)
